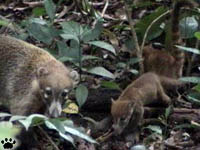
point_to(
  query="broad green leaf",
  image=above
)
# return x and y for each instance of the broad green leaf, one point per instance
(155, 129)
(133, 71)
(188, 49)
(101, 72)
(70, 37)
(168, 111)
(81, 95)
(197, 88)
(103, 45)
(50, 8)
(191, 79)
(38, 21)
(156, 29)
(194, 98)
(197, 35)
(67, 137)
(75, 132)
(133, 61)
(90, 57)
(15, 118)
(92, 34)
(188, 26)
(32, 120)
(5, 114)
(72, 28)
(4, 22)
(40, 33)
(110, 85)
(38, 11)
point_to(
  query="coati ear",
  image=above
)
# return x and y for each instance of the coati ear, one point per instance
(75, 76)
(42, 71)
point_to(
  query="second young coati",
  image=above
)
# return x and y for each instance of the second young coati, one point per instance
(127, 111)
(168, 62)
(32, 80)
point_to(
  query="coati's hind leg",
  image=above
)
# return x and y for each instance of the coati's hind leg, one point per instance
(163, 97)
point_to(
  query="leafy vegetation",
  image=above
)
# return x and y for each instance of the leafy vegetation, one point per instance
(95, 38)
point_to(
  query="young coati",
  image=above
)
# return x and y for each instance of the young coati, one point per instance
(169, 62)
(32, 80)
(127, 111)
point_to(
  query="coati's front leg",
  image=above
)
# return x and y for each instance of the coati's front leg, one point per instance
(162, 96)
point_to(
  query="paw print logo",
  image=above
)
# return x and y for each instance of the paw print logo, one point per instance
(8, 143)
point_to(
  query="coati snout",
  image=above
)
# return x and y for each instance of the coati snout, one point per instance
(54, 87)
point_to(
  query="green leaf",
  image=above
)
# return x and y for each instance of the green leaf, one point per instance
(38, 11)
(133, 71)
(50, 8)
(168, 111)
(4, 22)
(72, 28)
(89, 57)
(155, 129)
(188, 49)
(17, 117)
(188, 26)
(110, 85)
(40, 33)
(133, 61)
(197, 88)
(103, 45)
(37, 21)
(81, 95)
(156, 29)
(5, 115)
(194, 97)
(70, 37)
(92, 34)
(197, 35)
(51, 125)
(32, 120)
(101, 72)
(191, 79)
(75, 132)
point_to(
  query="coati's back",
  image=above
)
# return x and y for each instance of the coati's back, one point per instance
(31, 80)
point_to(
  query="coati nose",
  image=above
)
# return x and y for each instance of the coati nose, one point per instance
(55, 109)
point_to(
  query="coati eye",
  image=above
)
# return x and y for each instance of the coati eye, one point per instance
(48, 91)
(64, 93)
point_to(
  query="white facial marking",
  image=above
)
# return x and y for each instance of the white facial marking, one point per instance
(48, 88)
(55, 109)
(66, 90)
(46, 96)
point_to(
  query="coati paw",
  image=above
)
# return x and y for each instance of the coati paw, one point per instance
(8, 143)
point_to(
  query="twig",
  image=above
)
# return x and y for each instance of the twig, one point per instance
(134, 36)
(149, 27)
(105, 8)
(50, 140)
(34, 4)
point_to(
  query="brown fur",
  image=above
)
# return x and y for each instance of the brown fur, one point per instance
(128, 109)
(168, 63)
(25, 72)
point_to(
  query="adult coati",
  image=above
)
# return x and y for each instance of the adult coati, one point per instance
(32, 80)
(168, 62)
(127, 111)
